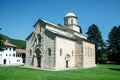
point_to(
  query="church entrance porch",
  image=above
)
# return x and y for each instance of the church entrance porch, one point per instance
(37, 61)
(38, 56)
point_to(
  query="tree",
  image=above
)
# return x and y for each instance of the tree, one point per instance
(1, 43)
(114, 44)
(103, 56)
(95, 37)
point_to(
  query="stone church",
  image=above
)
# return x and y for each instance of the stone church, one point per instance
(58, 47)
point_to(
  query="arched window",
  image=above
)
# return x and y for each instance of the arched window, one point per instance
(66, 21)
(40, 28)
(39, 38)
(91, 52)
(10, 49)
(60, 51)
(49, 51)
(13, 55)
(72, 52)
(71, 21)
(14, 48)
(30, 52)
(88, 52)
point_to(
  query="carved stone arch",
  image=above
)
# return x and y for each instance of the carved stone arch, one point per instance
(38, 52)
(67, 57)
(38, 56)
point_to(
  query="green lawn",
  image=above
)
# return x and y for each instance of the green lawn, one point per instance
(101, 72)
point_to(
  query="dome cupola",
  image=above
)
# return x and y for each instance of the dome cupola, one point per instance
(70, 20)
(70, 14)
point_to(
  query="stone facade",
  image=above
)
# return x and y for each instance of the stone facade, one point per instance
(56, 47)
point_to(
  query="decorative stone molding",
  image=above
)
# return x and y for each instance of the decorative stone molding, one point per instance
(67, 57)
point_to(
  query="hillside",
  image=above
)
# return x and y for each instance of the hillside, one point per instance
(19, 43)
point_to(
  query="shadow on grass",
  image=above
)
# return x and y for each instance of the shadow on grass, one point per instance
(116, 69)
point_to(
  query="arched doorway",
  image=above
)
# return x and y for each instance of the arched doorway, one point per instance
(38, 57)
(67, 58)
(66, 64)
(39, 61)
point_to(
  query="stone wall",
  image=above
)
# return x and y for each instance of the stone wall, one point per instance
(68, 48)
(31, 42)
(48, 60)
(78, 53)
(29, 52)
(88, 54)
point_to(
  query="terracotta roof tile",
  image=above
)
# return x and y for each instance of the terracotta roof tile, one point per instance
(9, 44)
(21, 51)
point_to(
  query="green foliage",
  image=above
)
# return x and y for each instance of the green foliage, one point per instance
(1, 43)
(101, 72)
(103, 56)
(94, 36)
(114, 44)
(19, 43)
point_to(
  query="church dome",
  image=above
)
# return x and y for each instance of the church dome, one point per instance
(70, 14)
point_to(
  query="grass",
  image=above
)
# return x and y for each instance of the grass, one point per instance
(101, 72)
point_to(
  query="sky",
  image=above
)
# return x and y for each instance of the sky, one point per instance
(17, 17)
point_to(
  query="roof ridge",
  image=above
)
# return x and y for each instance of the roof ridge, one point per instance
(6, 43)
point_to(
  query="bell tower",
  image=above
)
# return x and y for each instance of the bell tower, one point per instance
(70, 20)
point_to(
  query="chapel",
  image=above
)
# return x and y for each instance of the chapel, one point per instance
(61, 46)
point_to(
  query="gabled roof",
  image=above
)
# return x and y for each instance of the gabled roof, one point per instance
(64, 35)
(29, 36)
(49, 23)
(21, 51)
(70, 30)
(6, 43)
(60, 27)
(66, 28)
